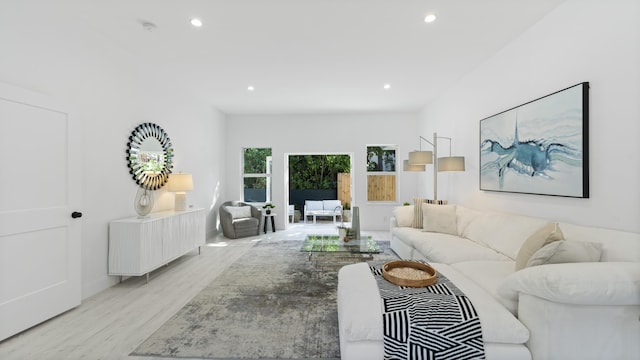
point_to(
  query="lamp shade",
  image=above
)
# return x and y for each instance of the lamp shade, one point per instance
(451, 163)
(408, 167)
(180, 182)
(420, 157)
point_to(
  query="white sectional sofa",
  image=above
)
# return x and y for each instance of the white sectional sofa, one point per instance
(579, 298)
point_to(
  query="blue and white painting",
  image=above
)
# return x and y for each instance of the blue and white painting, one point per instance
(539, 147)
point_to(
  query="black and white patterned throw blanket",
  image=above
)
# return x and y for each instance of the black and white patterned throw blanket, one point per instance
(432, 323)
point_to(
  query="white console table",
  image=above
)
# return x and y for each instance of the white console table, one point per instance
(138, 246)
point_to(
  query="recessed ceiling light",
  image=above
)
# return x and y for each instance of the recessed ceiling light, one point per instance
(431, 17)
(250, 88)
(196, 22)
(149, 26)
(387, 86)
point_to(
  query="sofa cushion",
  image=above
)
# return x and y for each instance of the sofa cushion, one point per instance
(313, 205)
(489, 275)
(408, 235)
(359, 303)
(239, 212)
(498, 324)
(503, 232)
(245, 223)
(331, 205)
(439, 218)
(559, 252)
(360, 314)
(417, 208)
(449, 249)
(403, 215)
(465, 216)
(616, 245)
(603, 283)
(545, 235)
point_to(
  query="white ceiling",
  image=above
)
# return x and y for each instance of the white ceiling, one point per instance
(312, 56)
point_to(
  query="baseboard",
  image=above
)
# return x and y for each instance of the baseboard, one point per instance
(91, 288)
(212, 234)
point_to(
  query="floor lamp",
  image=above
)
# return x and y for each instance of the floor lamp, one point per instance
(419, 158)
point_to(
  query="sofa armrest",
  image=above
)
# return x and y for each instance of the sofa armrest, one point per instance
(393, 222)
(586, 332)
(605, 283)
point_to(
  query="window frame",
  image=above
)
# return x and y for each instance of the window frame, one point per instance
(266, 175)
(393, 173)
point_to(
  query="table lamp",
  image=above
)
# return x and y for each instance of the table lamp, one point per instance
(180, 183)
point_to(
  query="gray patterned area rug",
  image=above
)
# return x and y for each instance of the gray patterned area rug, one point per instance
(275, 302)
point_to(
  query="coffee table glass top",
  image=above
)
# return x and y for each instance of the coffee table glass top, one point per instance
(332, 243)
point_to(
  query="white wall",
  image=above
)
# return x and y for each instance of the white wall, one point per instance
(594, 41)
(320, 134)
(111, 93)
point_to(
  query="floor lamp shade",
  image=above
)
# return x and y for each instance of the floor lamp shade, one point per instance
(420, 157)
(408, 167)
(180, 183)
(451, 163)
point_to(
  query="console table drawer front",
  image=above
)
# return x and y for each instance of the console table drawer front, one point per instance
(183, 234)
(139, 246)
(151, 239)
(134, 248)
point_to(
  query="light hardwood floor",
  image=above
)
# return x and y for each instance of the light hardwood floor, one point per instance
(111, 324)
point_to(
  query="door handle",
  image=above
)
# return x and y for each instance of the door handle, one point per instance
(76, 214)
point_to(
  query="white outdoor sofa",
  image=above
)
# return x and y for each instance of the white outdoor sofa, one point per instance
(316, 208)
(550, 309)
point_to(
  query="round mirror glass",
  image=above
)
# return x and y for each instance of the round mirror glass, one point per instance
(150, 154)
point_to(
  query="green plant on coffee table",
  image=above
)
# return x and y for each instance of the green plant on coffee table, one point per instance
(345, 232)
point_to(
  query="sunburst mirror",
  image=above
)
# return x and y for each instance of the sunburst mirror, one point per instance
(150, 154)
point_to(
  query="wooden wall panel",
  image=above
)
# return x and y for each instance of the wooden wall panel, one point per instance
(381, 187)
(344, 188)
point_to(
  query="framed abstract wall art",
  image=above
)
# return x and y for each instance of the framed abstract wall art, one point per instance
(541, 147)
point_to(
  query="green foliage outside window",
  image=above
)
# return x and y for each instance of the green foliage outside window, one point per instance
(317, 171)
(255, 162)
(381, 158)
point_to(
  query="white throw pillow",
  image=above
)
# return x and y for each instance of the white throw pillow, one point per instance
(403, 215)
(239, 212)
(417, 210)
(439, 218)
(559, 252)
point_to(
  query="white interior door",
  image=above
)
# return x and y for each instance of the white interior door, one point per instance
(39, 189)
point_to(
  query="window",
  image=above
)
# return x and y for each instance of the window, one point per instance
(256, 174)
(381, 173)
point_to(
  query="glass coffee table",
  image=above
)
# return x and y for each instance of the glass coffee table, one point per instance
(333, 244)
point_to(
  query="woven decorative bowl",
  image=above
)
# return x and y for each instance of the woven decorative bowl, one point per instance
(409, 273)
